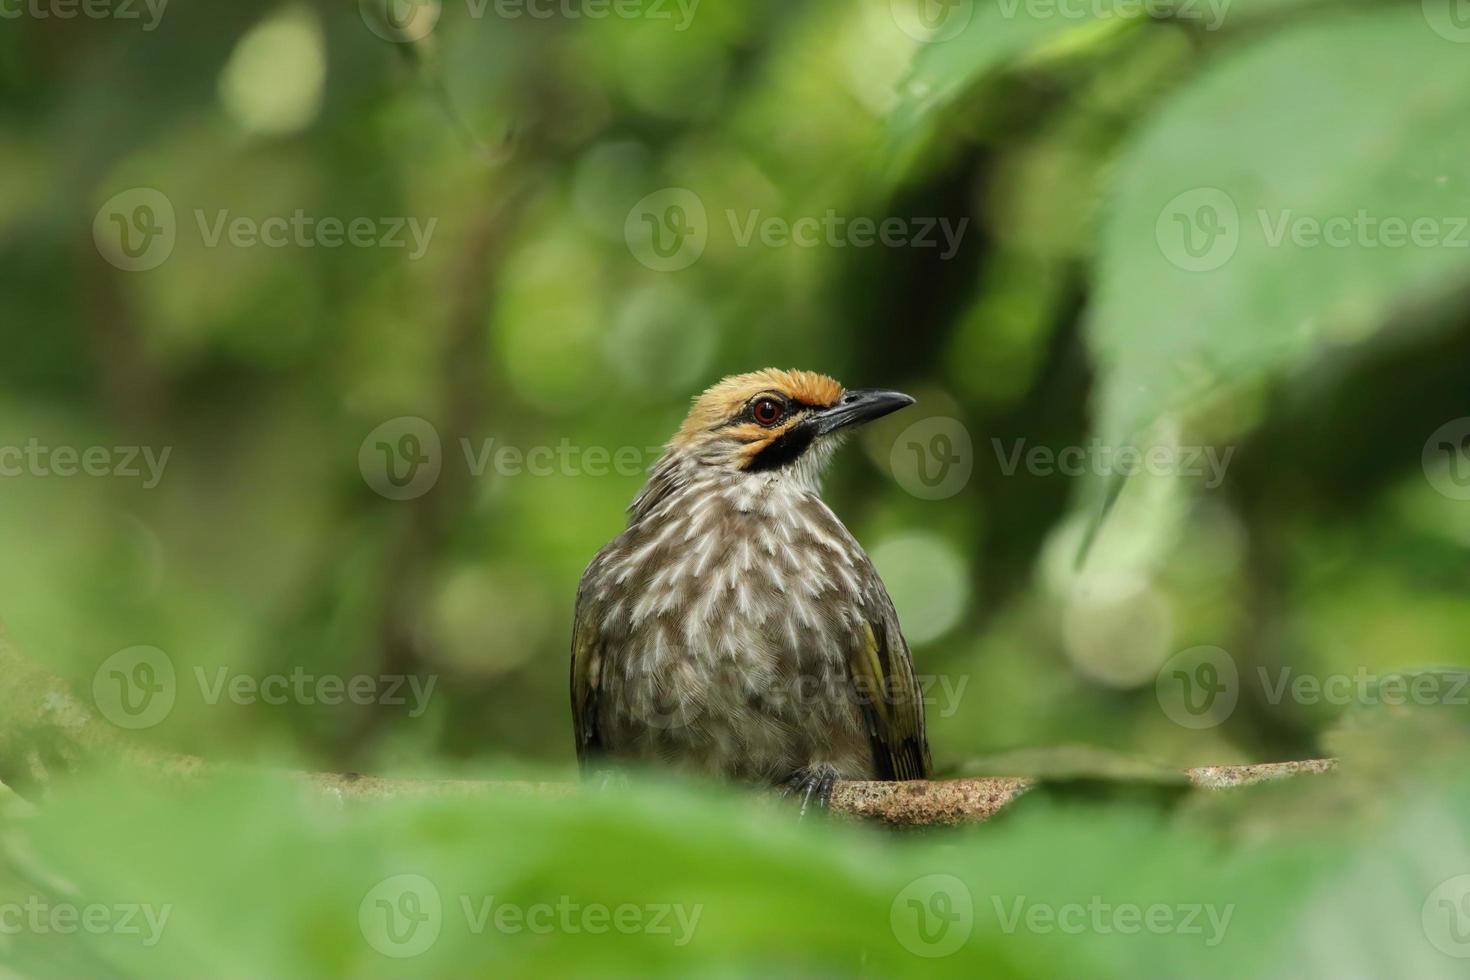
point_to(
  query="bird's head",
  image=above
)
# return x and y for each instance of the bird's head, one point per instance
(770, 421)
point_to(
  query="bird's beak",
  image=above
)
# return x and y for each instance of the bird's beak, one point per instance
(859, 405)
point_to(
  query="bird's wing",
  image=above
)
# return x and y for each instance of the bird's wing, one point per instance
(586, 681)
(889, 696)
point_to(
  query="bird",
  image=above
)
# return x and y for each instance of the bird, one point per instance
(735, 629)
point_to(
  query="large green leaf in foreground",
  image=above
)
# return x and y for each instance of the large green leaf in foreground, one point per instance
(248, 877)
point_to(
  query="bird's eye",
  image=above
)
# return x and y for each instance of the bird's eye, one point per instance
(767, 411)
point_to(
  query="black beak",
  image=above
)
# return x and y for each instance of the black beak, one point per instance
(858, 406)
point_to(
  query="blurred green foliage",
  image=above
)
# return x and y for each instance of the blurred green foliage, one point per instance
(1132, 269)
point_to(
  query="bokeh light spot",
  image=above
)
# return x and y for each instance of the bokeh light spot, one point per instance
(272, 84)
(928, 581)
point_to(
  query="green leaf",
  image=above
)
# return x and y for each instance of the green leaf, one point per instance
(1357, 127)
(993, 35)
(247, 876)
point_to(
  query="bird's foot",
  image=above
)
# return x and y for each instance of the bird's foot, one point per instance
(812, 784)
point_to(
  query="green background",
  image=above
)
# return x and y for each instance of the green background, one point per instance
(1079, 144)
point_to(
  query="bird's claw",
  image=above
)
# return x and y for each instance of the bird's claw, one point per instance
(812, 782)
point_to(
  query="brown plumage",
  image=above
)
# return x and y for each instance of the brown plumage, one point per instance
(736, 628)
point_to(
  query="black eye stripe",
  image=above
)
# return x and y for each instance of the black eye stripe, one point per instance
(785, 448)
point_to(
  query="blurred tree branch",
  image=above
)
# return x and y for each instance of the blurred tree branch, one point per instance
(45, 729)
